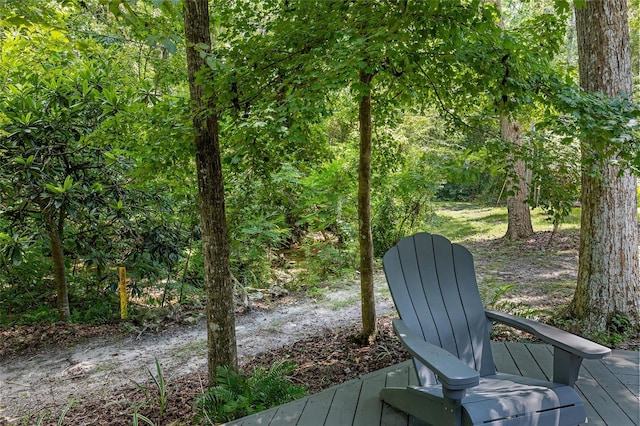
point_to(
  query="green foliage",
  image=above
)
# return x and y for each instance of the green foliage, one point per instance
(236, 395)
(262, 219)
(619, 329)
(469, 176)
(397, 217)
(405, 181)
(25, 297)
(499, 301)
(326, 259)
(54, 182)
(328, 199)
(555, 186)
(62, 170)
(161, 388)
(608, 128)
(634, 29)
(93, 306)
(95, 131)
(136, 417)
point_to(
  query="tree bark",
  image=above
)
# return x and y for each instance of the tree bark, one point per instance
(608, 277)
(59, 269)
(221, 335)
(364, 213)
(519, 215)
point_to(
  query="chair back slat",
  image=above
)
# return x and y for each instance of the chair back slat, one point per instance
(479, 325)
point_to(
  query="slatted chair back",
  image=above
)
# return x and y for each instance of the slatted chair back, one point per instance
(433, 285)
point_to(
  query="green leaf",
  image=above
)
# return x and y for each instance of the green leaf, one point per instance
(16, 255)
(54, 188)
(68, 182)
(170, 46)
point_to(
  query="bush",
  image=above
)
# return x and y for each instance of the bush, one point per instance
(94, 307)
(25, 296)
(327, 259)
(237, 395)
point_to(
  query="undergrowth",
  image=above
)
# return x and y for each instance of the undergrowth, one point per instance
(237, 395)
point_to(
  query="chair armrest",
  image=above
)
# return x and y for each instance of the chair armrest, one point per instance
(566, 341)
(452, 373)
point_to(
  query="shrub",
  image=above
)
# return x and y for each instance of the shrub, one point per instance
(237, 395)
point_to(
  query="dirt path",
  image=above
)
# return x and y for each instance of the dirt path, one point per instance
(98, 366)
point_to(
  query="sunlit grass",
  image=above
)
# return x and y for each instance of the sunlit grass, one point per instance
(471, 221)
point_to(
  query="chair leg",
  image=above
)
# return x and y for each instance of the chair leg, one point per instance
(566, 367)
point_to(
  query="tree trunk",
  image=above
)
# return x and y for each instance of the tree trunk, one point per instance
(608, 277)
(59, 269)
(364, 213)
(221, 334)
(518, 212)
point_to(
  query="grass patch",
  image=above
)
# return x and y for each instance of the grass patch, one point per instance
(470, 221)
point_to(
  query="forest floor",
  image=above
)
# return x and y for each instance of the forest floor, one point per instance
(91, 371)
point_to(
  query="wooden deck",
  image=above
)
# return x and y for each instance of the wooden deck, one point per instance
(610, 388)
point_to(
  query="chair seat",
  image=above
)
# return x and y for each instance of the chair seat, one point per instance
(502, 399)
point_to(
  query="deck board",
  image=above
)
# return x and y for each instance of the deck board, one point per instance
(342, 411)
(316, 410)
(527, 364)
(613, 400)
(289, 414)
(369, 410)
(625, 367)
(609, 387)
(503, 360)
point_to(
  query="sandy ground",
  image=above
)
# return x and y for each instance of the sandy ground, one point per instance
(98, 366)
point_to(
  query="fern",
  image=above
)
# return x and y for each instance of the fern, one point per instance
(236, 395)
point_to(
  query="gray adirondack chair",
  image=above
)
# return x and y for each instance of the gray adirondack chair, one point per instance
(445, 328)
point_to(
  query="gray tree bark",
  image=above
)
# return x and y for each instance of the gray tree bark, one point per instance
(608, 277)
(221, 334)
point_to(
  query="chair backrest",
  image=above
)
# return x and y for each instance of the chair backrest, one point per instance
(434, 288)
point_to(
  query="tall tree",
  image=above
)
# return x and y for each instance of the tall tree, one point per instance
(365, 237)
(518, 213)
(221, 335)
(608, 274)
